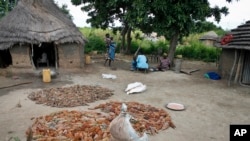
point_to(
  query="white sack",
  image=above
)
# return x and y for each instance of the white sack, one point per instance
(133, 85)
(137, 89)
(109, 76)
(121, 129)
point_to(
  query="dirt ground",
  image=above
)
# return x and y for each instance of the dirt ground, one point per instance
(211, 105)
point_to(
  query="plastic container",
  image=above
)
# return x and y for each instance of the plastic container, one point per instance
(87, 59)
(46, 75)
(178, 63)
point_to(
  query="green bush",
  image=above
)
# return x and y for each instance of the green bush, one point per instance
(191, 47)
(95, 43)
(148, 47)
(95, 38)
(134, 46)
(198, 51)
(162, 44)
(151, 47)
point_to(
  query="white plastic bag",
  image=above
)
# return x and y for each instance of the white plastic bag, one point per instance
(135, 87)
(111, 76)
(121, 129)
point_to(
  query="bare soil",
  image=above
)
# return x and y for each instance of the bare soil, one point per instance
(211, 105)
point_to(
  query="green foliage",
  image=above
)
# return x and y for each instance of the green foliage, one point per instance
(204, 26)
(95, 43)
(6, 6)
(134, 46)
(95, 38)
(149, 47)
(194, 49)
(163, 44)
(173, 19)
(88, 31)
(190, 47)
(65, 10)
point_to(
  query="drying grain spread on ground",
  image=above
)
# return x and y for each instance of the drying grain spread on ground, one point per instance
(91, 125)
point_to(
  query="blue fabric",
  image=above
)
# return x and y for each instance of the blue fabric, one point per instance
(112, 51)
(212, 75)
(141, 62)
(133, 64)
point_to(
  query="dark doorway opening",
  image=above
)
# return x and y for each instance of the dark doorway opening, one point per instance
(5, 58)
(246, 69)
(44, 55)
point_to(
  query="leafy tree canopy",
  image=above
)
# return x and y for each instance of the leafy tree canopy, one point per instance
(171, 18)
(6, 6)
(65, 10)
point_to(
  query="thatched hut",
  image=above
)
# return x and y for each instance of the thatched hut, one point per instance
(36, 27)
(209, 38)
(235, 58)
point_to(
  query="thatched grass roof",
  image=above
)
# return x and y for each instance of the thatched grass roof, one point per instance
(36, 21)
(241, 38)
(211, 35)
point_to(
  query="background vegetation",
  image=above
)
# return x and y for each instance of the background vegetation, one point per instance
(189, 47)
(173, 19)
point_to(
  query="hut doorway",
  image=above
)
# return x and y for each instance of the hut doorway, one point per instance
(246, 69)
(44, 55)
(5, 58)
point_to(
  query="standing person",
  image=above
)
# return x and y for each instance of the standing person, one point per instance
(107, 41)
(164, 63)
(111, 52)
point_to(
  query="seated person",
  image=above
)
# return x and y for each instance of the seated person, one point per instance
(164, 63)
(140, 62)
(43, 59)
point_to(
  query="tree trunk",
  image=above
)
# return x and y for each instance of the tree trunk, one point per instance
(123, 33)
(123, 43)
(172, 48)
(129, 39)
(7, 7)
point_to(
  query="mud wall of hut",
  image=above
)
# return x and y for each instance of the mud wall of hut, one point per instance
(208, 42)
(70, 56)
(20, 56)
(226, 62)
